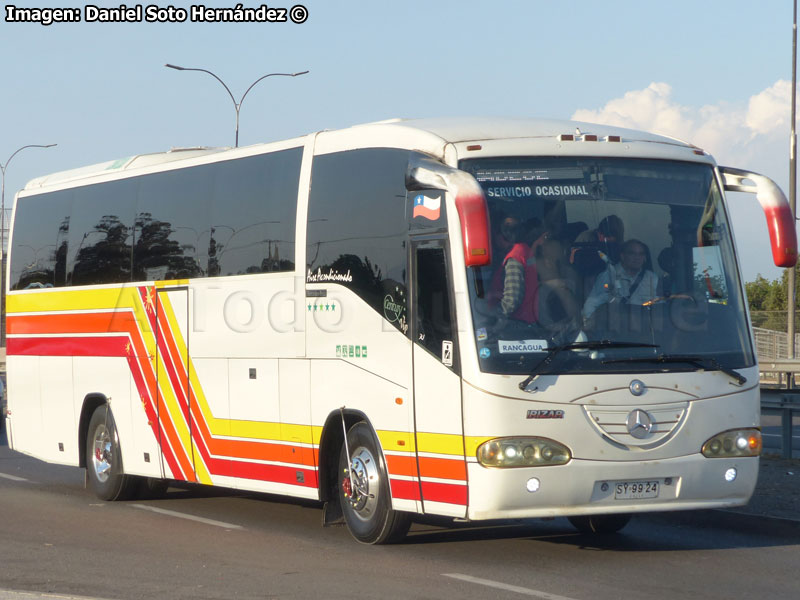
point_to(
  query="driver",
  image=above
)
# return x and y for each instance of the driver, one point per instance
(628, 282)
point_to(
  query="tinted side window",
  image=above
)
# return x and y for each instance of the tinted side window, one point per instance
(357, 227)
(173, 224)
(39, 244)
(254, 213)
(434, 321)
(101, 233)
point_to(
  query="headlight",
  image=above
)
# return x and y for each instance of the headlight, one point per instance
(737, 442)
(522, 452)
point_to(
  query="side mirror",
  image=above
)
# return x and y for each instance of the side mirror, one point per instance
(473, 213)
(780, 220)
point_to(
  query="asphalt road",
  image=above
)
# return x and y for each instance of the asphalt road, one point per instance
(56, 538)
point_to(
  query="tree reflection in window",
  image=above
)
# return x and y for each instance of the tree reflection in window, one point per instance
(104, 254)
(157, 256)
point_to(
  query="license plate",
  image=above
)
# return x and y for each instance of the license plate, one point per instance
(624, 490)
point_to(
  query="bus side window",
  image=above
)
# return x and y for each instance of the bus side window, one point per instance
(253, 214)
(434, 323)
(39, 249)
(101, 233)
(357, 226)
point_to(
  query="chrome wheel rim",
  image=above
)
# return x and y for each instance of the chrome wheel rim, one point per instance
(102, 456)
(365, 483)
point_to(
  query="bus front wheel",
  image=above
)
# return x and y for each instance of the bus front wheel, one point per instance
(364, 491)
(600, 523)
(104, 459)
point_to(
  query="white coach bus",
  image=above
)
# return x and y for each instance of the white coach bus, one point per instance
(473, 318)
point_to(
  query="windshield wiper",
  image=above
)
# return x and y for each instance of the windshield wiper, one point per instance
(701, 362)
(589, 345)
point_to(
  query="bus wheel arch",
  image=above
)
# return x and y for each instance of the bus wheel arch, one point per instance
(329, 446)
(364, 492)
(102, 457)
(90, 403)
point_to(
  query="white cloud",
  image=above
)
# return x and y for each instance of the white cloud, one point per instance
(651, 109)
(770, 111)
(753, 137)
(721, 129)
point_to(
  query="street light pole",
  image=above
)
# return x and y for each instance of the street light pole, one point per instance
(236, 105)
(791, 298)
(3, 168)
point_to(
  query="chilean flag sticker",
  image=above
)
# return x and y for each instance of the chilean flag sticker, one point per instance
(426, 207)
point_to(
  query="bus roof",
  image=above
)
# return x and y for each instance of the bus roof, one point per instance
(467, 129)
(427, 135)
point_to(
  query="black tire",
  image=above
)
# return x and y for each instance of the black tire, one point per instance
(368, 507)
(600, 524)
(104, 459)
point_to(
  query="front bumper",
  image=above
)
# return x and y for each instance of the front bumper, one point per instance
(577, 488)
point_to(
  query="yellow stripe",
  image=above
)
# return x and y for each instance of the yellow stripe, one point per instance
(440, 443)
(472, 443)
(72, 299)
(397, 441)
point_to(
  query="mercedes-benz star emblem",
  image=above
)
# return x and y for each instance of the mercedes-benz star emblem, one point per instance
(640, 423)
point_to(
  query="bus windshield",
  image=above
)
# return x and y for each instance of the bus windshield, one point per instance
(626, 264)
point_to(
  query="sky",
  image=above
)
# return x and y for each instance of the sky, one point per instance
(716, 73)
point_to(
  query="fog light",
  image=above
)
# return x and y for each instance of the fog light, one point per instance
(533, 485)
(730, 474)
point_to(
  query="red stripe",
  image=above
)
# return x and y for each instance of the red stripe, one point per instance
(444, 492)
(403, 489)
(60, 346)
(249, 470)
(272, 473)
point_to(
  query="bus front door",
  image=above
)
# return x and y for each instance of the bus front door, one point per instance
(437, 384)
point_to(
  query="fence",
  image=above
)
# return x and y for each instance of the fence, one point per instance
(772, 345)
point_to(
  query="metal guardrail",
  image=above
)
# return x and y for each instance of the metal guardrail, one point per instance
(784, 403)
(779, 365)
(780, 399)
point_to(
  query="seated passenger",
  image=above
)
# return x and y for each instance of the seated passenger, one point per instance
(629, 282)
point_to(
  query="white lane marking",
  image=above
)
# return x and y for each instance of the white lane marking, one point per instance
(505, 586)
(13, 478)
(172, 513)
(12, 595)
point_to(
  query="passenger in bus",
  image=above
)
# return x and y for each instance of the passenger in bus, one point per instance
(587, 252)
(506, 235)
(515, 282)
(631, 281)
(559, 309)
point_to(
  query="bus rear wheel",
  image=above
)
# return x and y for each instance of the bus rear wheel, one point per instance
(600, 523)
(104, 459)
(364, 491)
